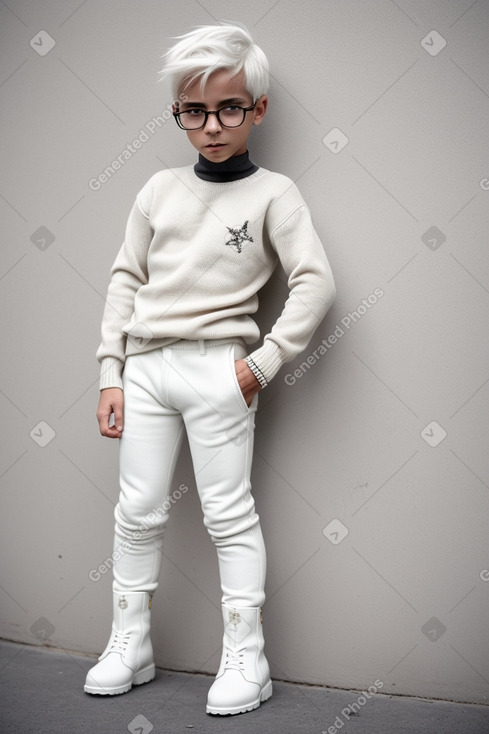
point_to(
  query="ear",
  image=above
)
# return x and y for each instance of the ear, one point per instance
(260, 109)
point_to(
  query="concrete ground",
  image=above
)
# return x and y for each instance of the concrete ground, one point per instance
(41, 691)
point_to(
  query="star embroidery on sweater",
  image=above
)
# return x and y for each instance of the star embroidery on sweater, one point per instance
(239, 236)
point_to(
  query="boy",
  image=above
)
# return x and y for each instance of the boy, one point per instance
(200, 242)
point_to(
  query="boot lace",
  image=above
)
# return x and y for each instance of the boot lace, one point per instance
(234, 660)
(120, 642)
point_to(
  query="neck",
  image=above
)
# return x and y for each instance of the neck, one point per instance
(232, 169)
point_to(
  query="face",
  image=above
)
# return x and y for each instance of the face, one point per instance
(214, 142)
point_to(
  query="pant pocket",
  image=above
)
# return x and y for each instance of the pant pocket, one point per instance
(235, 352)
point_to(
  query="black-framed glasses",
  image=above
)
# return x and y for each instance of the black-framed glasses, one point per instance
(196, 118)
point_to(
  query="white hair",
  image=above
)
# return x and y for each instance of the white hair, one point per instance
(210, 48)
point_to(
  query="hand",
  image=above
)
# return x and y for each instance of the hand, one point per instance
(111, 401)
(247, 381)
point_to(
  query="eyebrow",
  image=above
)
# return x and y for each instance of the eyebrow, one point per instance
(223, 103)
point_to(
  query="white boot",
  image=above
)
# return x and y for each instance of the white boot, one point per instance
(128, 658)
(243, 680)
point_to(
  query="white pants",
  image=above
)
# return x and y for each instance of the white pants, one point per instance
(191, 385)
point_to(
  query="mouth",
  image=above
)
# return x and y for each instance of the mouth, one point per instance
(214, 146)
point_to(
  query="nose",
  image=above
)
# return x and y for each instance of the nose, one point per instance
(212, 125)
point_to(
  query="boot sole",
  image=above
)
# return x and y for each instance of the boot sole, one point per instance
(142, 676)
(265, 694)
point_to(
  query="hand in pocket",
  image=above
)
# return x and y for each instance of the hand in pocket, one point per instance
(247, 381)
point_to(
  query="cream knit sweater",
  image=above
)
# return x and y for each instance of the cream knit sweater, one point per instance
(194, 257)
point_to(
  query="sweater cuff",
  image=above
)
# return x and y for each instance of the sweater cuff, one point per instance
(268, 359)
(111, 373)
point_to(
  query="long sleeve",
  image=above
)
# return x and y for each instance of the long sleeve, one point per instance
(311, 286)
(128, 273)
(194, 258)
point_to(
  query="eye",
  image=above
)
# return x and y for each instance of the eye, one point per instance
(231, 108)
(194, 112)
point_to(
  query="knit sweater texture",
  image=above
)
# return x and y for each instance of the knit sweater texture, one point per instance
(195, 255)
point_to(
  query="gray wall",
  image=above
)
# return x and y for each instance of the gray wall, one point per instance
(370, 471)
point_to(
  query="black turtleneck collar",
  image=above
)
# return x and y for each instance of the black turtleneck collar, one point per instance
(234, 168)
